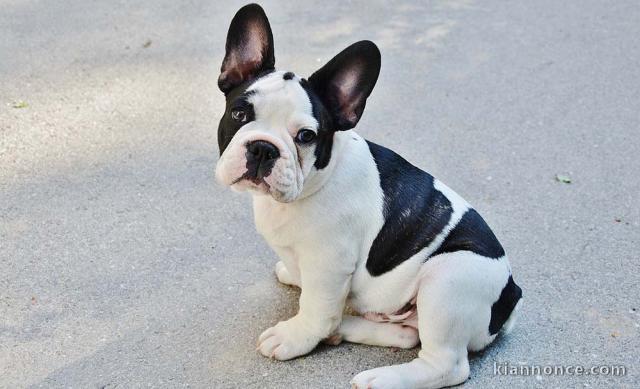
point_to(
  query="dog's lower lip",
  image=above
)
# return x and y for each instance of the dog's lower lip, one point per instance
(256, 181)
(238, 180)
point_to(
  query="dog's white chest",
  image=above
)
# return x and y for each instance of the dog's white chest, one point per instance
(347, 213)
(274, 221)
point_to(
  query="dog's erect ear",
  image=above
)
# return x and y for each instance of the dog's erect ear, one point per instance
(345, 82)
(249, 48)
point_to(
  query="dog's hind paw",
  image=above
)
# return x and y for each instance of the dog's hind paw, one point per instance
(380, 378)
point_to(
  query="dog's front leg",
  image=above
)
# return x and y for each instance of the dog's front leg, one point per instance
(324, 290)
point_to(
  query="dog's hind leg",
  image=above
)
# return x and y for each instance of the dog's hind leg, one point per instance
(441, 362)
(356, 329)
(454, 308)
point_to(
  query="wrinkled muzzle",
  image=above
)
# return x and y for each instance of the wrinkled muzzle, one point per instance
(261, 163)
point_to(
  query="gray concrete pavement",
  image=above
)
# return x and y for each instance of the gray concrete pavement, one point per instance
(122, 263)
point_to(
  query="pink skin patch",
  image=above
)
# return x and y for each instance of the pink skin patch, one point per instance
(407, 315)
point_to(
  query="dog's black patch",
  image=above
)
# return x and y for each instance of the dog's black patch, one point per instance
(324, 144)
(288, 76)
(472, 234)
(414, 211)
(324, 140)
(502, 308)
(237, 98)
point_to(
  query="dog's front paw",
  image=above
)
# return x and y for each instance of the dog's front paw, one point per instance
(286, 340)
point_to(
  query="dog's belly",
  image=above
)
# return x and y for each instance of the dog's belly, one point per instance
(387, 294)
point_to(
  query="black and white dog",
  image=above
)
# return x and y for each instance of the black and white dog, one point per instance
(353, 222)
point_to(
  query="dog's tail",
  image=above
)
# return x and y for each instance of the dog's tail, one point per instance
(511, 321)
(503, 311)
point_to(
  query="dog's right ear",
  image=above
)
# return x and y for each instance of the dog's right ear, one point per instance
(249, 48)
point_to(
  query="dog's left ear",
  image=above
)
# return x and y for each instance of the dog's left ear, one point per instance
(249, 48)
(345, 82)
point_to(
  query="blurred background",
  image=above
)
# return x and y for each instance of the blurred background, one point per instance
(123, 264)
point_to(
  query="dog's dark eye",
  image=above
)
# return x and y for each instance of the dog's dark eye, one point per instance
(305, 136)
(239, 115)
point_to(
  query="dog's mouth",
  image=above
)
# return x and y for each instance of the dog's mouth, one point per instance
(259, 185)
(255, 182)
(282, 184)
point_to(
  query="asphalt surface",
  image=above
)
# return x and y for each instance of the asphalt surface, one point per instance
(123, 264)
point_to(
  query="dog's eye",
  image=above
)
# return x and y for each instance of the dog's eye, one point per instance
(239, 115)
(305, 136)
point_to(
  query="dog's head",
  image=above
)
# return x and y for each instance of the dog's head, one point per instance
(277, 131)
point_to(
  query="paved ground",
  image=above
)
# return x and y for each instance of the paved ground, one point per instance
(122, 263)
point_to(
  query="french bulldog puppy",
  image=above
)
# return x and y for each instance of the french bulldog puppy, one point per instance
(352, 222)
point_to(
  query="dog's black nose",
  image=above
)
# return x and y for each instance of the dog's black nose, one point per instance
(261, 156)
